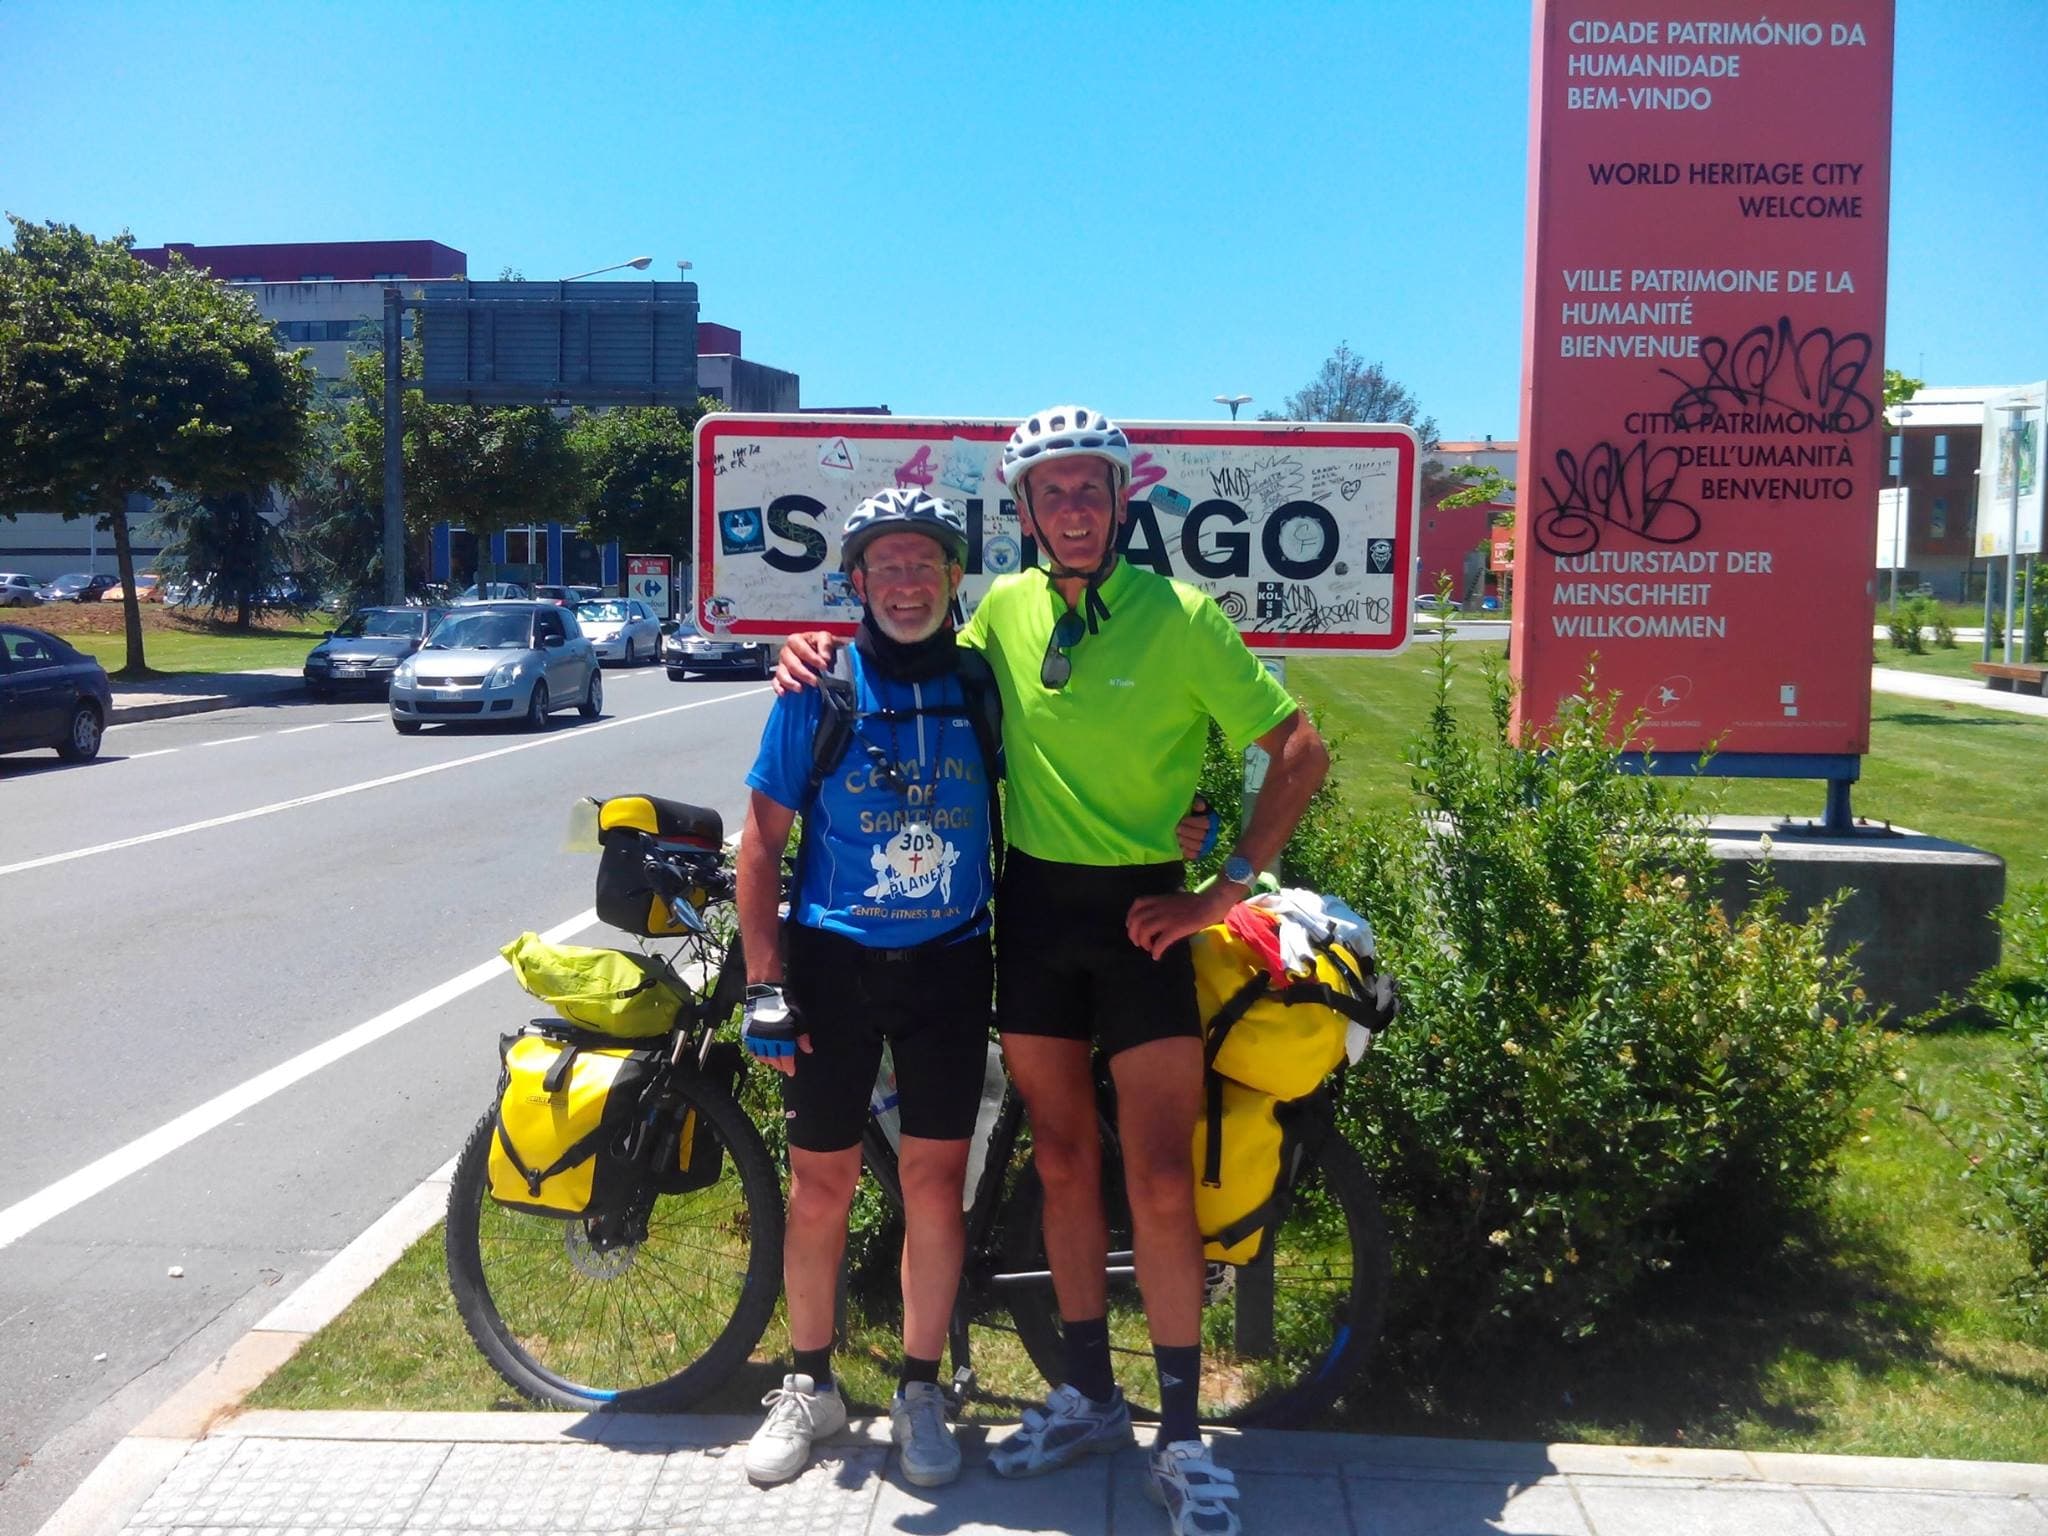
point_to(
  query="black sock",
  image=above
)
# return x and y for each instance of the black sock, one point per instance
(1180, 1377)
(1088, 1365)
(915, 1369)
(816, 1364)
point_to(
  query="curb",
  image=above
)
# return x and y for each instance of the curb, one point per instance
(130, 714)
(138, 1464)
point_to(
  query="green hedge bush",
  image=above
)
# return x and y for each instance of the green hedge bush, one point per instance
(1595, 1066)
(2016, 1164)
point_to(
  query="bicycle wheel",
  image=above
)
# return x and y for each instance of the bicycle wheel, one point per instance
(1282, 1337)
(652, 1320)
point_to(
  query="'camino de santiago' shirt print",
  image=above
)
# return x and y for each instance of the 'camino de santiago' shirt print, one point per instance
(896, 849)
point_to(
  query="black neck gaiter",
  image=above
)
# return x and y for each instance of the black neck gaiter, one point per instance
(919, 662)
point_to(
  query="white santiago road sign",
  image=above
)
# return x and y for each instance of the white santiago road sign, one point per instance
(1303, 533)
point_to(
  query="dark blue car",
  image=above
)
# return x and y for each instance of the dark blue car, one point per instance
(50, 695)
(367, 648)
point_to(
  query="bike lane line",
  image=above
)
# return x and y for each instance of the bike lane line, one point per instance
(100, 1175)
(581, 732)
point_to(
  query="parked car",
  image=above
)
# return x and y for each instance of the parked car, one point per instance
(493, 592)
(685, 650)
(50, 695)
(498, 661)
(568, 596)
(622, 628)
(77, 587)
(366, 648)
(149, 588)
(17, 590)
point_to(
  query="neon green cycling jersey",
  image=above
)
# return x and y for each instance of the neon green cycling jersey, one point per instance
(1101, 770)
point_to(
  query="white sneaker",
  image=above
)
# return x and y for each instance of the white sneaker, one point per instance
(923, 1435)
(1195, 1493)
(798, 1414)
(1070, 1427)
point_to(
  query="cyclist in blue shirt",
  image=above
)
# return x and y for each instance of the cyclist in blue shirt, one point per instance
(887, 939)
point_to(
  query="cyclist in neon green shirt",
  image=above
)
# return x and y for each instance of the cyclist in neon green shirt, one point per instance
(1110, 675)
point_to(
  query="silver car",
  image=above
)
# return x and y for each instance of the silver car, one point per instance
(17, 590)
(622, 628)
(498, 661)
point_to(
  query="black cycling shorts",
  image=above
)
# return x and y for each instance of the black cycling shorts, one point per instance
(930, 1003)
(1066, 966)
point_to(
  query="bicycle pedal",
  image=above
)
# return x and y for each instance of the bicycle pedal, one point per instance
(960, 1389)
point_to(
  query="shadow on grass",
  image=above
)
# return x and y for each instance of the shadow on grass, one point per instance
(1950, 720)
(1700, 1360)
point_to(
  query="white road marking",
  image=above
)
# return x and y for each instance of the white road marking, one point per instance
(554, 739)
(294, 730)
(359, 719)
(96, 1177)
(227, 741)
(136, 757)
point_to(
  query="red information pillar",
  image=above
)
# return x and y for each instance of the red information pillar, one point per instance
(1703, 360)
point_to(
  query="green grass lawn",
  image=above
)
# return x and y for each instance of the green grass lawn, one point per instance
(1952, 661)
(203, 650)
(1884, 1328)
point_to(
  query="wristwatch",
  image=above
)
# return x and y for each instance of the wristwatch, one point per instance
(1238, 870)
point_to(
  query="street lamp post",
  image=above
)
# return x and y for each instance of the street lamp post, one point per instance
(2017, 416)
(683, 271)
(638, 264)
(1900, 542)
(1233, 401)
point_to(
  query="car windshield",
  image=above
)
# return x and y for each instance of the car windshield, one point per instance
(483, 632)
(381, 626)
(77, 579)
(599, 613)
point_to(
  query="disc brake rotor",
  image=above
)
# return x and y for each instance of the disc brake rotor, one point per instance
(593, 1262)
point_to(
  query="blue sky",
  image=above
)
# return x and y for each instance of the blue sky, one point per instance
(974, 209)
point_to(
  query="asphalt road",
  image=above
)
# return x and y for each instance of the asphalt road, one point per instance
(214, 898)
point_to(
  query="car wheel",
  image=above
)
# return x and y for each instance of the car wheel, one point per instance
(677, 674)
(537, 707)
(320, 690)
(765, 667)
(593, 697)
(81, 743)
(405, 727)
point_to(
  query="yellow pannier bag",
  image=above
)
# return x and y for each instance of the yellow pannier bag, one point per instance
(607, 990)
(1281, 1040)
(1238, 1146)
(565, 1111)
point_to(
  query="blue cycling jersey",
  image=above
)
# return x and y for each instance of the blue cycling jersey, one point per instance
(896, 850)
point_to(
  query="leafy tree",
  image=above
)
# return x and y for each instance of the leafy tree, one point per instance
(116, 377)
(1898, 389)
(636, 471)
(1483, 484)
(230, 543)
(1347, 388)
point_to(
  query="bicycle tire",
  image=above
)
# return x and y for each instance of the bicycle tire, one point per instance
(652, 1325)
(1334, 1297)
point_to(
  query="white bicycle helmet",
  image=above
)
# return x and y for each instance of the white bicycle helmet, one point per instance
(902, 511)
(1065, 432)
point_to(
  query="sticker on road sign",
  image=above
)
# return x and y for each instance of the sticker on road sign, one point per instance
(837, 455)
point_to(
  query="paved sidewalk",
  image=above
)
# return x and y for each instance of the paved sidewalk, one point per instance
(630, 1473)
(195, 693)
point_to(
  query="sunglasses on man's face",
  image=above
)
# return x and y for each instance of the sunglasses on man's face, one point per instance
(1058, 666)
